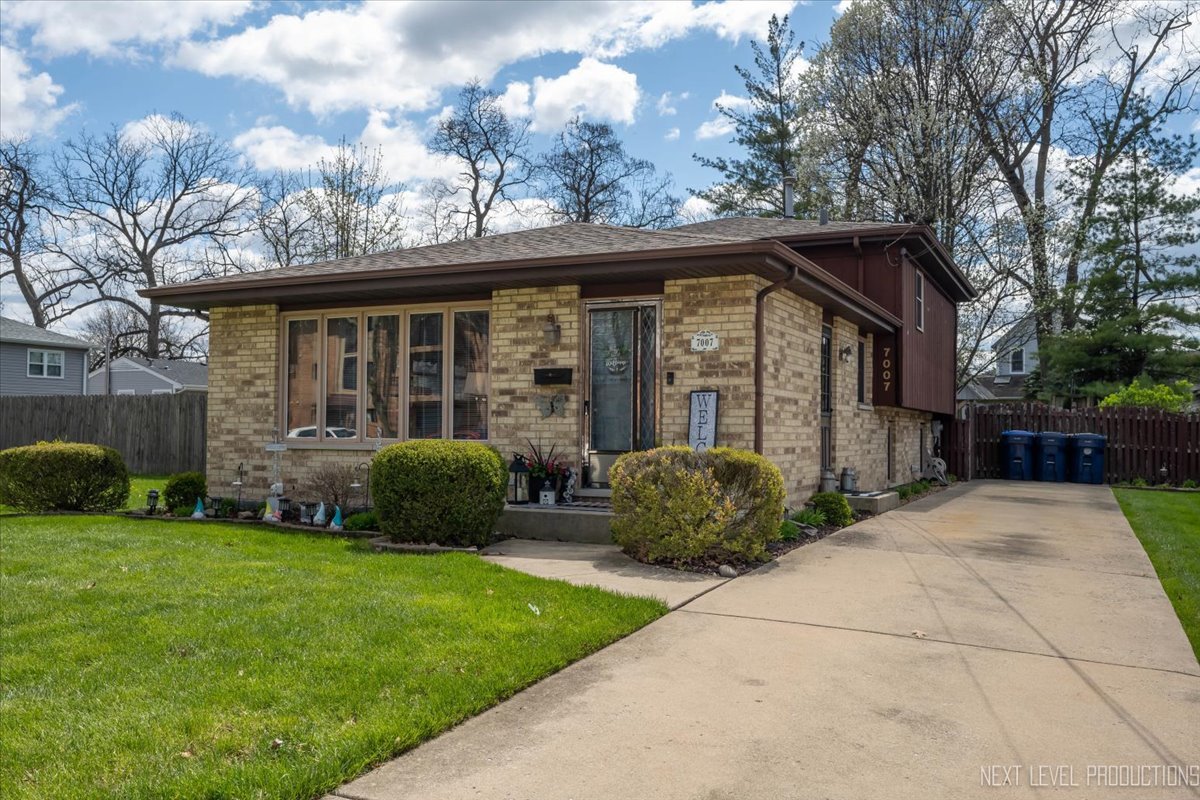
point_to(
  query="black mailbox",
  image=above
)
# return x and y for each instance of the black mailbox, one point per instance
(552, 376)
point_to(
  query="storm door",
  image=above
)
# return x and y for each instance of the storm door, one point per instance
(621, 407)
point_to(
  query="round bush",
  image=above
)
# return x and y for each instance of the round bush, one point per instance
(667, 506)
(755, 488)
(182, 489)
(61, 476)
(438, 492)
(674, 504)
(834, 507)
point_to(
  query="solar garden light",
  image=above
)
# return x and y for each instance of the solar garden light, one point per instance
(518, 489)
(1163, 472)
(151, 501)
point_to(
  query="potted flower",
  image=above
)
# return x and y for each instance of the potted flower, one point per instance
(543, 469)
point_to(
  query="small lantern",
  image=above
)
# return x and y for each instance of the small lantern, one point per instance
(551, 330)
(548, 496)
(151, 501)
(1163, 472)
(518, 488)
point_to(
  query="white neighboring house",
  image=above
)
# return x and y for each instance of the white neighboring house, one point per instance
(133, 375)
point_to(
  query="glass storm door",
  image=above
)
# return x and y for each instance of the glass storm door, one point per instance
(622, 381)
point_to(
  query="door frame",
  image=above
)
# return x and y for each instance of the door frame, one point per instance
(585, 416)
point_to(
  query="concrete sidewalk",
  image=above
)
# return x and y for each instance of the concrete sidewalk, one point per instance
(602, 565)
(997, 633)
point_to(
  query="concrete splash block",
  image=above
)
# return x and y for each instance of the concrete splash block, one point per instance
(874, 503)
(556, 524)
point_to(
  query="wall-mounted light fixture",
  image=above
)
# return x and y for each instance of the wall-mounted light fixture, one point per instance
(551, 330)
(846, 353)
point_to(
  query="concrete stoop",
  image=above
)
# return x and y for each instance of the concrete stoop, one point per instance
(557, 524)
(874, 503)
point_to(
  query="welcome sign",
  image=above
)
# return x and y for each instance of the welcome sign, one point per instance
(702, 420)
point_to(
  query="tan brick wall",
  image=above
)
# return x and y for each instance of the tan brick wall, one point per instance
(243, 406)
(518, 347)
(244, 370)
(724, 306)
(792, 389)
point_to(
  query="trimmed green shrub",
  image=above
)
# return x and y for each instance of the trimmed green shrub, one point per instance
(183, 511)
(667, 505)
(755, 487)
(182, 489)
(834, 507)
(673, 504)
(810, 517)
(788, 531)
(438, 492)
(1189, 484)
(1140, 483)
(63, 476)
(362, 521)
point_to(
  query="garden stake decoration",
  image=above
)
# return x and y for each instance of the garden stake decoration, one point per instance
(198, 511)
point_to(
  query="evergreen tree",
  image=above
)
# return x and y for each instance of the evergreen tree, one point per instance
(1140, 303)
(771, 130)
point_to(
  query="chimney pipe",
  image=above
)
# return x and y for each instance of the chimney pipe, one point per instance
(823, 218)
(789, 201)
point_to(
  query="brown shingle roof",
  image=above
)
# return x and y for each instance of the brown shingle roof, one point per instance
(556, 241)
(771, 228)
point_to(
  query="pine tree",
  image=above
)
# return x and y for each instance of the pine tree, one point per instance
(771, 131)
(1140, 302)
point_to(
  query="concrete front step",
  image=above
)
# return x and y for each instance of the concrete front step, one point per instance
(556, 524)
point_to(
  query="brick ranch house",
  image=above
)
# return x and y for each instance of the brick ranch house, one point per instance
(829, 345)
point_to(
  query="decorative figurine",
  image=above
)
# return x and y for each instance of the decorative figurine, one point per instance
(336, 524)
(319, 518)
(198, 511)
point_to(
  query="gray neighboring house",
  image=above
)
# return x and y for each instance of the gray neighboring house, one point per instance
(1016, 356)
(133, 375)
(35, 361)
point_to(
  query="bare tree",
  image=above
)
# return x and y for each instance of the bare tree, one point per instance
(491, 150)
(24, 212)
(439, 217)
(283, 221)
(588, 177)
(145, 207)
(352, 207)
(1044, 76)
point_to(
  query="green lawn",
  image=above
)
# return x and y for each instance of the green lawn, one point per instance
(1168, 525)
(173, 659)
(138, 486)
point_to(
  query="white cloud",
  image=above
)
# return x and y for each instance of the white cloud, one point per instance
(593, 89)
(720, 125)
(672, 135)
(400, 56)
(139, 131)
(515, 100)
(113, 28)
(278, 147)
(842, 6)
(696, 209)
(405, 157)
(28, 101)
(666, 104)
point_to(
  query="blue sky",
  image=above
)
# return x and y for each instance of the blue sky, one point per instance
(283, 80)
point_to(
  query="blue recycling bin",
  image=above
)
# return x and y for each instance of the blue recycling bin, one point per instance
(1016, 455)
(1086, 457)
(1050, 456)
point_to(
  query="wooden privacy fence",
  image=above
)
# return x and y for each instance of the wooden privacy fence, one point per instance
(156, 434)
(1140, 442)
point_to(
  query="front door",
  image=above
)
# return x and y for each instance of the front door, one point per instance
(620, 410)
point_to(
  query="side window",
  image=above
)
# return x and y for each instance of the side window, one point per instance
(1016, 361)
(920, 295)
(44, 363)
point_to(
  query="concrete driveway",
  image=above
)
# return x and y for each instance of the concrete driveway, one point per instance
(994, 640)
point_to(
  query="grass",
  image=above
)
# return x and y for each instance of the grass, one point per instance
(146, 658)
(1168, 525)
(138, 486)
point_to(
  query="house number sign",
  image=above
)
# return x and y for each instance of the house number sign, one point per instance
(704, 341)
(885, 368)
